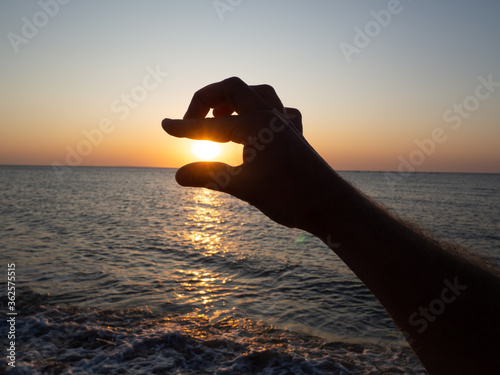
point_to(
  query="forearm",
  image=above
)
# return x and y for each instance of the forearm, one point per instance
(446, 304)
(439, 299)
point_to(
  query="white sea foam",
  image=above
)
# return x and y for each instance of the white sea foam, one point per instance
(66, 340)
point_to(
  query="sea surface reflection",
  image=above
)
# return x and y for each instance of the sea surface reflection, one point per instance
(131, 248)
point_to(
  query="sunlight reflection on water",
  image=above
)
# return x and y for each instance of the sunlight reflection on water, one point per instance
(203, 223)
(206, 290)
(121, 238)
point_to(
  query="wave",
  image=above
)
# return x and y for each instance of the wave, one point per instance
(82, 340)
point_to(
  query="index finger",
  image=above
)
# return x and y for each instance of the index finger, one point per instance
(232, 92)
(220, 129)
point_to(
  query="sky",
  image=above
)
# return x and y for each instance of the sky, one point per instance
(382, 85)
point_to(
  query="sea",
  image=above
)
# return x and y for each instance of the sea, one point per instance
(122, 271)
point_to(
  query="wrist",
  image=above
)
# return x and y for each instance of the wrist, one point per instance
(346, 217)
(332, 209)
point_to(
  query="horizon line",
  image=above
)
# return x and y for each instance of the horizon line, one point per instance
(337, 170)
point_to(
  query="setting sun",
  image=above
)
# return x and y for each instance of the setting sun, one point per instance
(206, 150)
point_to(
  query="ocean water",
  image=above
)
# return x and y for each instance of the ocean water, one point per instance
(122, 271)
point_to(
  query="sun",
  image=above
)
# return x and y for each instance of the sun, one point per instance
(206, 150)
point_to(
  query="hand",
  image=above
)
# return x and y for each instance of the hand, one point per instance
(281, 174)
(286, 179)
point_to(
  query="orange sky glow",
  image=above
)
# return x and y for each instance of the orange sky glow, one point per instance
(82, 91)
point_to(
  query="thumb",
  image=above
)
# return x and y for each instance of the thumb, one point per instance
(210, 175)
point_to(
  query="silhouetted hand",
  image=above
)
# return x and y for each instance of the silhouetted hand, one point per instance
(286, 179)
(281, 174)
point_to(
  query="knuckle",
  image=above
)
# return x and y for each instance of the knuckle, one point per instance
(234, 81)
(266, 89)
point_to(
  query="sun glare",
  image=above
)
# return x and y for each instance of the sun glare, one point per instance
(206, 150)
